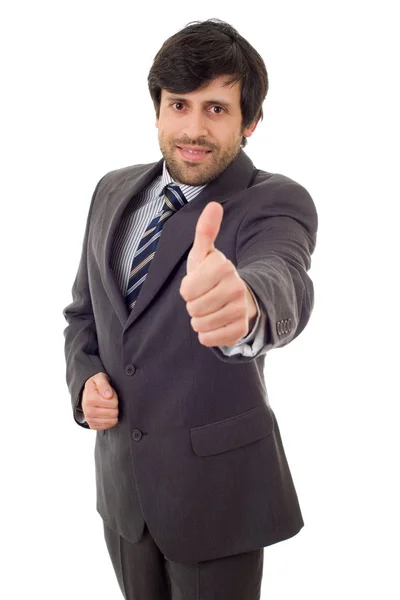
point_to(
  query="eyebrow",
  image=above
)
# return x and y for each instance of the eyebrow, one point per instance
(180, 99)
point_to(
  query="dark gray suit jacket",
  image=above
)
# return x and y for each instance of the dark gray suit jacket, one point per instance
(197, 451)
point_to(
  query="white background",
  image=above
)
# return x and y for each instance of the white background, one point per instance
(75, 105)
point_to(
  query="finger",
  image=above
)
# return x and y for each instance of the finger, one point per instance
(99, 412)
(103, 386)
(105, 425)
(97, 400)
(101, 420)
(207, 229)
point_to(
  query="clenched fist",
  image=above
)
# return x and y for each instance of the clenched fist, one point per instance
(100, 402)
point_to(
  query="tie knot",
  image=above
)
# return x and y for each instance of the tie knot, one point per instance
(174, 197)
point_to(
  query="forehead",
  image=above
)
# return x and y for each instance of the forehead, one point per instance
(218, 88)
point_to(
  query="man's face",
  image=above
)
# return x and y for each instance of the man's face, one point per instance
(209, 119)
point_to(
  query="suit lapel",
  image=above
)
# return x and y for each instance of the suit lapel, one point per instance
(118, 194)
(178, 232)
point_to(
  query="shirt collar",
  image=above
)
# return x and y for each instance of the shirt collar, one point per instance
(189, 191)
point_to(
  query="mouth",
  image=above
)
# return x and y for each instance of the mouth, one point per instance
(193, 155)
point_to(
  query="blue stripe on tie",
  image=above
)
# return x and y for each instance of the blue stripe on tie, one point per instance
(174, 199)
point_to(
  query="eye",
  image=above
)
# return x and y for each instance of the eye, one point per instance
(220, 108)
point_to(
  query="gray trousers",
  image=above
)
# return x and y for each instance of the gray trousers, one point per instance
(144, 573)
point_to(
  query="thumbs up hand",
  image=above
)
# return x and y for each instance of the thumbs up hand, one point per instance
(217, 298)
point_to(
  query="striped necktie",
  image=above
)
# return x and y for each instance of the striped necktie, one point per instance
(174, 200)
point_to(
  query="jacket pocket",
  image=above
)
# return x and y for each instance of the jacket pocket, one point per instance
(231, 433)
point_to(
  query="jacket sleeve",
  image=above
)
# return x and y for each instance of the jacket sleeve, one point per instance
(81, 348)
(275, 241)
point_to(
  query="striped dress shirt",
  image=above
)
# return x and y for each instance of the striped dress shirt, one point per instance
(140, 211)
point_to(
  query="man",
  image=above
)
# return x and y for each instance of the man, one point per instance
(192, 268)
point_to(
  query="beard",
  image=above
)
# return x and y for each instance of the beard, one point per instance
(197, 173)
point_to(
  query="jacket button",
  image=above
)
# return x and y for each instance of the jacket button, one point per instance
(137, 435)
(129, 369)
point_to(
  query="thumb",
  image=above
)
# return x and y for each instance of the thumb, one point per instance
(207, 229)
(103, 386)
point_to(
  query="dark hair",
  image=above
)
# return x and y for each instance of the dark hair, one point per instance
(200, 52)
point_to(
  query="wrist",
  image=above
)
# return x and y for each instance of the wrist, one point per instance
(252, 310)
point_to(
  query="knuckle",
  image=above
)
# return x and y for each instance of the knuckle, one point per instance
(238, 332)
(220, 255)
(238, 292)
(226, 266)
(237, 313)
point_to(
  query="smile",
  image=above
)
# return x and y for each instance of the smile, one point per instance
(193, 155)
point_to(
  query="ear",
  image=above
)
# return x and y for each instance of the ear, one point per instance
(248, 131)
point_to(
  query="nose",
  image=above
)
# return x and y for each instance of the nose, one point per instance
(194, 126)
